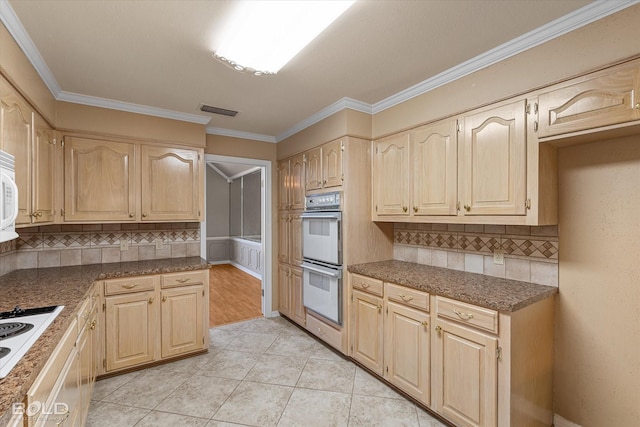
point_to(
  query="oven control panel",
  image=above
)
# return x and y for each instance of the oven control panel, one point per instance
(325, 201)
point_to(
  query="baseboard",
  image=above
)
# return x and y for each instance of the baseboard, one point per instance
(558, 421)
(246, 270)
(226, 261)
(273, 314)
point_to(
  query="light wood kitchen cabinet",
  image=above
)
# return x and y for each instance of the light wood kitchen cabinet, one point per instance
(391, 176)
(367, 337)
(290, 238)
(100, 180)
(171, 183)
(325, 166)
(291, 185)
(182, 313)
(290, 302)
(284, 286)
(465, 388)
(284, 236)
(606, 98)
(493, 167)
(45, 163)
(131, 322)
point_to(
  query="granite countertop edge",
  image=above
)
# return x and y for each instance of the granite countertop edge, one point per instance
(495, 293)
(77, 281)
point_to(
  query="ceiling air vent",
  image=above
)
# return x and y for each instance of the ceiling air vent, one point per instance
(216, 110)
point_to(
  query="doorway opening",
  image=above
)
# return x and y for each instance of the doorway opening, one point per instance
(236, 238)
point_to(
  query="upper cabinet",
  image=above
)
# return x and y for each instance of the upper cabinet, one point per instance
(324, 166)
(100, 180)
(28, 137)
(486, 167)
(291, 175)
(171, 183)
(126, 182)
(609, 97)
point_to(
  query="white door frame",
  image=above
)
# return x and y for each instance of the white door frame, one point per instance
(265, 223)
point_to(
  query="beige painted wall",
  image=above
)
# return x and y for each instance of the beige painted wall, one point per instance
(237, 147)
(15, 66)
(597, 356)
(345, 122)
(603, 42)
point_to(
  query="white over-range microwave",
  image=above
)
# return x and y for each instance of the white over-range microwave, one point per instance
(9, 205)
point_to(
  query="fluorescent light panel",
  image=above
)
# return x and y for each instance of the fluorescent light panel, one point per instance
(265, 35)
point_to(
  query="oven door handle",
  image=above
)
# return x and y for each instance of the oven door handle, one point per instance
(326, 216)
(321, 271)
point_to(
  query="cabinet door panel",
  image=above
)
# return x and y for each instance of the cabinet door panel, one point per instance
(44, 161)
(283, 185)
(295, 231)
(602, 101)
(313, 172)
(99, 180)
(465, 376)
(130, 330)
(170, 184)
(367, 334)
(284, 227)
(16, 123)
(494, 170)
(297, 192)
(182, 329)
(284, 294)
(298, 312)
(408, 351)
(434, 150)
(332, 164)
(391, 176)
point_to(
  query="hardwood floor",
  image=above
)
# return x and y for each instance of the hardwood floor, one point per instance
(233, 295)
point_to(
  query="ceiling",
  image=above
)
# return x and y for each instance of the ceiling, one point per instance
(232, 171)
(157, 54)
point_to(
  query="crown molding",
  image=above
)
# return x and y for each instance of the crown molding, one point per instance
(350, 103)
(95, 101)
(240, 134)
(567, 23)
(14, 26)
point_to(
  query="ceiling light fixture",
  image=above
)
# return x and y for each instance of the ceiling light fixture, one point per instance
(262, 36)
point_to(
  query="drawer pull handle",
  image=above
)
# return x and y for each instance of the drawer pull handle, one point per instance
(424, 323)
(93, 325)
(379, 308)
(164, 298)
(364, 285)
(182, 280)
(465, 316)
(467, 208)
(405, 298)
(438, 329)
(66, 415)
(130, 286)
(151, 300)
(404, 209)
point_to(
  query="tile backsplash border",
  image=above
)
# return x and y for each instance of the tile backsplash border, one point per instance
(530, 253)
(80, 244)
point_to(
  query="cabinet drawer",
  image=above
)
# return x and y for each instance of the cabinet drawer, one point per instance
(367, 284)
(478, 317)
(407, 296)
(326, 333)
(129, 285)
(182, 279)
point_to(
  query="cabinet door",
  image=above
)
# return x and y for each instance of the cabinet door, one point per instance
(284, 285)
(295, 231)
(87, 369)
(16, 124)
(65, 400)
(434, 152)
(465, 376)
(44, 176)
(298, 312)
(606, 100)
(407, 350)
(367, 335)
(284, 227)
(391, 176)
(332, 175)
(283, 185)
(297, 192)
(182, 314)
(130, 330)
(493, 173)
(313, 180)
(99, 181)
(171, 184)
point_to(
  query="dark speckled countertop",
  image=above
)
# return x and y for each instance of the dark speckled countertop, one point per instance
(67, 286)
(486, 291)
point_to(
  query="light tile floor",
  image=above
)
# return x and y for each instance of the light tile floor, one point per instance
(261, 372)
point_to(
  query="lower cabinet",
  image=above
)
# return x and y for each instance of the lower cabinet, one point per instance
(290, 302)
(474, 366)
(150, 318)
(61, 394)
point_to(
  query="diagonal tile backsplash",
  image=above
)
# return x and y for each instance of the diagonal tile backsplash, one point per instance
(531, 253)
